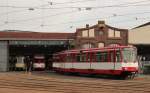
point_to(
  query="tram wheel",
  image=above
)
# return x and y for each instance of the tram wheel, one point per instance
(124, 76)
(128, 75)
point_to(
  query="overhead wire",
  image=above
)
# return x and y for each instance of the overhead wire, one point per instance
(42, 15)
(71, 2)
(130, 21)
(16, 11)
(10, 12)
(68, 12)
(112, 16)
(80, 1)
(105, 6)
(116, 5)
(7, 16)
(38, 18)
(78, 7)
(37, 7)
(45, 16)
(117, 22)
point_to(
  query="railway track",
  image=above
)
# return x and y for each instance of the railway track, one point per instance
(57, 85)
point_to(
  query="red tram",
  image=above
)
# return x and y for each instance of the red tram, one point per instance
(120, 61)
(39, 62)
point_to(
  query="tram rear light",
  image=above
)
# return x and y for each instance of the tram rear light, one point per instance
(125, 68)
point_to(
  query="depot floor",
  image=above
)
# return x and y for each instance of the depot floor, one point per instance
(50, 82)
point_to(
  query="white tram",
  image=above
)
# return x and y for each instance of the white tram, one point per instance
(20, 63)
(120, 61)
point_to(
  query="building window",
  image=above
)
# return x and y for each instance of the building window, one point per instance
(117, 33)
(114, 45)
(113, 33)
(85, 33)
(91, 33)
(88, 33)
(87, 45)
(101, 45)
(110, 33)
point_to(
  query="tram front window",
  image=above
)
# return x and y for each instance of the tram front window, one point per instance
(129, 55)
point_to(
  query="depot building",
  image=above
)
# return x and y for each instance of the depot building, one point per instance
(27, 43)
(140, 37)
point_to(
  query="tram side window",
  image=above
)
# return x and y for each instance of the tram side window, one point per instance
(92, 57)
(79, 58)
(105, 56)
(84, 57)
(111, 56)
(68, 58)
(58, 59)
(98, 57)
(73, 58)
(118, 56)
(55, 59)
(102, 57)
(88, 57)
(62, 58)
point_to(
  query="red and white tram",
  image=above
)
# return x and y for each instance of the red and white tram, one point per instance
(39, 62)
(119, 61)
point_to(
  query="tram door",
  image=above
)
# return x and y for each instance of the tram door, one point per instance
(111, 59)
(117, 59)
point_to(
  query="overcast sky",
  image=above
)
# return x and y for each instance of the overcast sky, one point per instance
(67, 15)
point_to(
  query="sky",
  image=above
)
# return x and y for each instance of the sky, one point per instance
(68, 15)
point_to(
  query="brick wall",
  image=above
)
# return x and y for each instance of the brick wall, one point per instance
(101, 35)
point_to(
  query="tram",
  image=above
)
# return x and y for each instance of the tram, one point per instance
(119, 61)
(20, 63)
(38, 62)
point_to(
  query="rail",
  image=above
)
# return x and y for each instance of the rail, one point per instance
(67, 84)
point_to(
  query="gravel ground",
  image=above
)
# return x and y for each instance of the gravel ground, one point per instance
(50, 82)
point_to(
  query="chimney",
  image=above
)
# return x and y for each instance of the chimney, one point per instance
(101, 23)
(87, 25)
